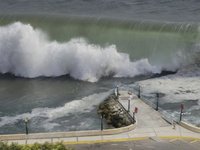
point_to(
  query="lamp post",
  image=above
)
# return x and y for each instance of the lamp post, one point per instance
(101, 122)
(181, 113)
(135, 111)
(26, 124)
(116, 91)
(157, 101)
(139, 91)
(129, 101)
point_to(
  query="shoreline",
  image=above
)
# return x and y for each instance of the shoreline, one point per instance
(173, 91)
(147, 126)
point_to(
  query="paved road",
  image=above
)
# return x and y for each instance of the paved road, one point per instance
(148, 144)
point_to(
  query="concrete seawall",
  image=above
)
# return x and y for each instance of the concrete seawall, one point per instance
(67, 134)
(190, 127)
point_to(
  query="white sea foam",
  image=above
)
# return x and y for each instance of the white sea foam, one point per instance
(49, 114)
(27, 52)
(178, 89)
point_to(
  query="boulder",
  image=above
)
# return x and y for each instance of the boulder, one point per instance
(113, 112)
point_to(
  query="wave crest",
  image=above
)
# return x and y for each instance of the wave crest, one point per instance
(27, 52)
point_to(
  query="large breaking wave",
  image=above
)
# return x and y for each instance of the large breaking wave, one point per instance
(27, 52)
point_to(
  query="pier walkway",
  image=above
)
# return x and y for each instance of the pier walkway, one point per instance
(150, 124)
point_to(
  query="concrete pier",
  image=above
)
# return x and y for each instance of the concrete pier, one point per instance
(150, 123)
(147, 117)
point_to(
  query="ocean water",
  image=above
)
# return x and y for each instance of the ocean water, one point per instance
(60, 58)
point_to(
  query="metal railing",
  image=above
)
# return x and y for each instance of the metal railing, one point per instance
(154, 103)
(127, 113)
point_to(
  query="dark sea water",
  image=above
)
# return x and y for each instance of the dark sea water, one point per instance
(165, 10)
(60, 58)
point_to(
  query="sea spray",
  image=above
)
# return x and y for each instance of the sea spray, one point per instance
(27, 52)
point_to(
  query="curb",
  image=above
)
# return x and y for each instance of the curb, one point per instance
(190, 127)
(68, 134)
(129, 139)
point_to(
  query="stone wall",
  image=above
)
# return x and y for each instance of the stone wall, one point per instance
(114, 113)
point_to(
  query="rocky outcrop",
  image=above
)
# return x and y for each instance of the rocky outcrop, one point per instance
(113, 112)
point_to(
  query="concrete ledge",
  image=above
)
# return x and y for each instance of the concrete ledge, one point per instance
(190, 127)
(67, 134)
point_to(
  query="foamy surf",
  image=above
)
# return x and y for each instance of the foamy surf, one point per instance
(27, 52)
(180, 88)
(45, 117)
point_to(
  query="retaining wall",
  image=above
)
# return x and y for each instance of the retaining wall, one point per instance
(67, 134)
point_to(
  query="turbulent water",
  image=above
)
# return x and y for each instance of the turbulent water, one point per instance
(57, 56)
